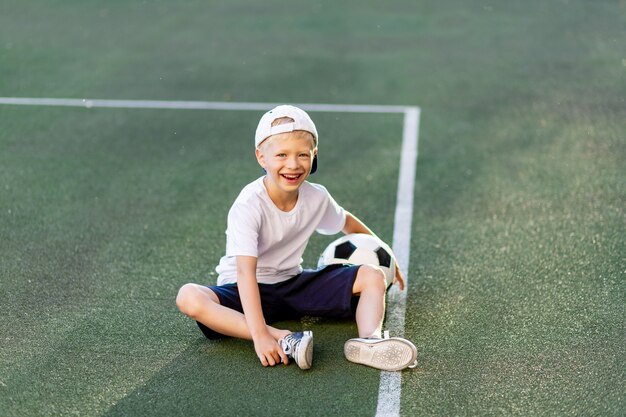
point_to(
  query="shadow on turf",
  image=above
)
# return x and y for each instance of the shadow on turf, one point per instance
(225, 378)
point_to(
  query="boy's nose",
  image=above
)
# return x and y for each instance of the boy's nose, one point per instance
(292, 162)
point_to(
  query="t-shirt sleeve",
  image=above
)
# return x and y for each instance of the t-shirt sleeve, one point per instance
(334, 218)
(242, 233)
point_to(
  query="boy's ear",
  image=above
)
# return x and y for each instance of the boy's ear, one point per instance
(259, 157)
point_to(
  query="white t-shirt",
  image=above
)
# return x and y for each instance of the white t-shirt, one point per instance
(256, 227)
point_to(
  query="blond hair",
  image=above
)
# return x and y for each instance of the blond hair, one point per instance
(282, 121)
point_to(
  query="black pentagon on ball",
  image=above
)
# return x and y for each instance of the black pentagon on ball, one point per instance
(344, 250)
(384, 259)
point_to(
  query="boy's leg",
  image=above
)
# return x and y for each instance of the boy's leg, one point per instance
(390, 353)
(371, 287)
(202, 304)
(330, 292)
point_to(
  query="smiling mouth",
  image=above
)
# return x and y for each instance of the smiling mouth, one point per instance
(291, 177)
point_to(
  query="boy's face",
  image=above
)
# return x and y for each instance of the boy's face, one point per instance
(287, 158)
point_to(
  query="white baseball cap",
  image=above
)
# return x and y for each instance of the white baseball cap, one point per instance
(301, 121)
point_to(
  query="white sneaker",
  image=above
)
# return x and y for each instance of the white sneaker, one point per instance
(299, 347)
(388, 354)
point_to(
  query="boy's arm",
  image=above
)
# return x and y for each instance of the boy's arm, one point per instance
(354, 225)
(266, 347)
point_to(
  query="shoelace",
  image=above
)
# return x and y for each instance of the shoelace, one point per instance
(286, 345)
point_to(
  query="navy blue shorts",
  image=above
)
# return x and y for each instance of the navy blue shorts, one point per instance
(325, 292)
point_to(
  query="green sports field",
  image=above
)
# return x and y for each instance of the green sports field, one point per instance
(517, 273)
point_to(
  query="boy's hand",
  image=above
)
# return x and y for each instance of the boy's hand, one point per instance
(269, 351)
(399, 278)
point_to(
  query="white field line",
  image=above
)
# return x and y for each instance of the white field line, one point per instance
(390, 386)
(390, 382)
(195, 105)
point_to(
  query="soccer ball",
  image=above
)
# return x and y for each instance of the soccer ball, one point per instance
(360, 249)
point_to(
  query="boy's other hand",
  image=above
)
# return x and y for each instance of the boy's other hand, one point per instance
(399, 278)
(269, 351)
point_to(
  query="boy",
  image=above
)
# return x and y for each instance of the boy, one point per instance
(261, 279)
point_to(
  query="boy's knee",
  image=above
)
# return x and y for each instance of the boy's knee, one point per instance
(189, 299)
(370, 276)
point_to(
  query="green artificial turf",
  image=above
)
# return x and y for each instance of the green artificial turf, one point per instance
(517, 287)
(109, 219)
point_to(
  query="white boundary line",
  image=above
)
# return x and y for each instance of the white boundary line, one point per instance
(390, 382)
(195, 105)
(390, 386)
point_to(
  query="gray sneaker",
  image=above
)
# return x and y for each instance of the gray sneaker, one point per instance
(299, 347)
(387, 354)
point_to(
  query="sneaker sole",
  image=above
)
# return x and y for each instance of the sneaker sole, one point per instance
(393, 354)
(305, 352)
